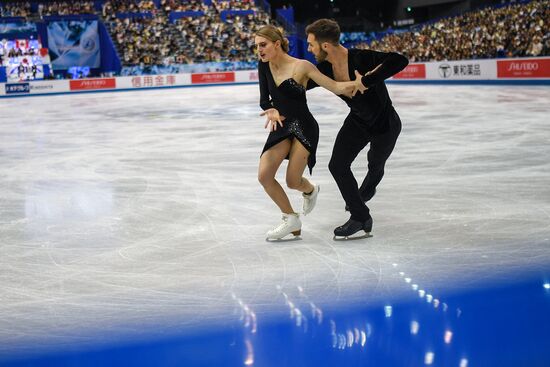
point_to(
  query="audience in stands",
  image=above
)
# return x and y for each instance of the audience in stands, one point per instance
(183, 5)
(234, 5)
(66, 8)
(513, 31)
(209, 38)
(516, 30)
(145, 41)
(112, 7)
(193, 39)
(15, 9)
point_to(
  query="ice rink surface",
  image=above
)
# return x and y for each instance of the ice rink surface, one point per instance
(126, 213)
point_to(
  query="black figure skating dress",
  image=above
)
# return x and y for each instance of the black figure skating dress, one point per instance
(289, 98)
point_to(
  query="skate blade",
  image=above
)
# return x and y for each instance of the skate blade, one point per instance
(284, 239)
(352, 237)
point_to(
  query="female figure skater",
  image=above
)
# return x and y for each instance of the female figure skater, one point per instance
(294, 133)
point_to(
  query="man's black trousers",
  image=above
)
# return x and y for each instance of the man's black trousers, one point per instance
(352, 138)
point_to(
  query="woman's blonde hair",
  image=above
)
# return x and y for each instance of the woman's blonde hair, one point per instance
(273, 34)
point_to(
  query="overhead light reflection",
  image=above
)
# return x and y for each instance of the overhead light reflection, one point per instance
(350, 339)
(429, 358)
(546, 285)
(463, 362)
(249, 360)
(341, 341)
(388, 310)
(414, 327)
(363, 338)
(316, 313)
(298, 314)
(319, 316)
(448, 336)
(254, 323)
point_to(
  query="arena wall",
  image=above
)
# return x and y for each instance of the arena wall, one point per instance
(506, 71)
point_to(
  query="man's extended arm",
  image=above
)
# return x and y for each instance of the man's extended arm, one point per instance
(388, 64)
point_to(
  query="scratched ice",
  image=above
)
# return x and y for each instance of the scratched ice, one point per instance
(120, 212)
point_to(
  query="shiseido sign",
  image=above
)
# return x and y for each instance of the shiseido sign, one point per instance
(206, 78)
(91, 84)
(531, 68)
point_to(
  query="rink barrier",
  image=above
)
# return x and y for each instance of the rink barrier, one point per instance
(534, 71)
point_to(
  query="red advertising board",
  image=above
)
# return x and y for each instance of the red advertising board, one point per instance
(91, 84)
(206, 78)
(412, 71)
(526, 68)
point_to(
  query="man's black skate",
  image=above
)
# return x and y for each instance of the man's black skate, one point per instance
(365, 198)
(351, 227)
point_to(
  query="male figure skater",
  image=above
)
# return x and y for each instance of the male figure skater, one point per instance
(372, 118)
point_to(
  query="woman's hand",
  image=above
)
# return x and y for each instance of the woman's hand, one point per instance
(272, 118)
(346, 88)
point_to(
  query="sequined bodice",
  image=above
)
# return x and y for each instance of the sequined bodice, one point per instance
(290, 88)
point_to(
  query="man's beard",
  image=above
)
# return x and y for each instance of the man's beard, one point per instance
(322, 56)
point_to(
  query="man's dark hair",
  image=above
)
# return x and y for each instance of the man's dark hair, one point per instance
(325, 30)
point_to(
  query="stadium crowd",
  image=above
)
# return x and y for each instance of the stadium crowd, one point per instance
(15, 9)
(192, 39)
(516, 30)
(234, 5)
(111, 7)
(183, 5)
(66, 8)
(144, 40)
(211, 39)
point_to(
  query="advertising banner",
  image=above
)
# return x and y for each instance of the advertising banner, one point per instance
(17, 88)
(412, 71)
(50, 86)
(153, 81)
(92, 84)
(212, 78)
(246, 76)
(524, 68)
(461, 70)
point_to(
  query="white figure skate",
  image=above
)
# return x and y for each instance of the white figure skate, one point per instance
(291, 225)
(310, 200)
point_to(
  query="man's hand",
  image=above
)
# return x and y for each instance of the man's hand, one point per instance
(359, 87)
(272, 119)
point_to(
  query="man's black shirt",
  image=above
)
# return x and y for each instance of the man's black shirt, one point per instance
(373, 106)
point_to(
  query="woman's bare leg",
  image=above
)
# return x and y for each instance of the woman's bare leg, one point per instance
(296, 165)
(270, 162)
